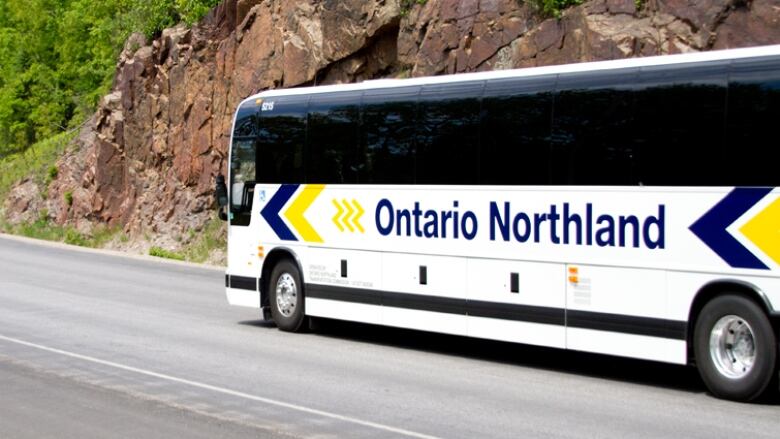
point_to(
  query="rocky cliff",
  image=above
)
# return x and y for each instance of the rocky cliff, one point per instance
(148, 158)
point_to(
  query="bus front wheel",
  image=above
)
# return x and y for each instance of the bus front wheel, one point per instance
(286, 288)
(735, 348)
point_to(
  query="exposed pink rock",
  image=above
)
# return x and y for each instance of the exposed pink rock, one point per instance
(24, 203)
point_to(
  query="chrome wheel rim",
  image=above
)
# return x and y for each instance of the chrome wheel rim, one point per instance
(733, 347)
(286, 294)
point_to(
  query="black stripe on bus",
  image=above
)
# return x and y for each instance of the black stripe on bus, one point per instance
(505, 311)
(447, 305)
(243, 283)
(627, 324)
(518, 313)
(352, 295)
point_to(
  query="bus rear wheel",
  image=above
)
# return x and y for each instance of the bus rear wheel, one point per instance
(287, 298)
(735, 348)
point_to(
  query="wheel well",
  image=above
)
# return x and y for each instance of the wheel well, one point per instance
(720, 288)
(270, 262)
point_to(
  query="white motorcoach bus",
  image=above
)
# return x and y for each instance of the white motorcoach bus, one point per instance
(624, 207)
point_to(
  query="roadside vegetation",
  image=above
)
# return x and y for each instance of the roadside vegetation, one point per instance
(198, 246)
(166, 254)
(44, 228)
(37, 162)
(554, 8)
(201, 244)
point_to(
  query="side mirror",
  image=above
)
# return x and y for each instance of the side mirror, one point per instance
(220, 193)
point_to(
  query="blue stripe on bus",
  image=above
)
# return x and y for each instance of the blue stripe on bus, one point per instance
(711, 227)
(271, 211)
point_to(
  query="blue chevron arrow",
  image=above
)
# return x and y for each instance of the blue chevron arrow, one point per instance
(271, 211)
(711, 227)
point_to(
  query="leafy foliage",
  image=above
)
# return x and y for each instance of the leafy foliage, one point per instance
(553, 8)
(57, 58)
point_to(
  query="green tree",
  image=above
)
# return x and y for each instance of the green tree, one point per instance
(57, 58)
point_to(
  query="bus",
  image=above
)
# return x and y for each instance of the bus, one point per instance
(626, 208)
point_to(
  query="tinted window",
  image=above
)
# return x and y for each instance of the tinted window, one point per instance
(242, 180)
(680, 130)
(246, 121)
(592, 127)
(243, 170)
(752, 149)
(388, 135)
(516, 131)
(281, 138)
(448, 134)
(332, 140)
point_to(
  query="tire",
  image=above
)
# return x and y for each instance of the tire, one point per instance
(287, 299)
(735, 348)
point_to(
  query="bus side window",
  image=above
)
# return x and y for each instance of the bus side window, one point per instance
(331, 145)
(448, 134)
(515, 139)
(388, 134)
(753, 113)
(680, 130)
(592, 127)
(281, 138)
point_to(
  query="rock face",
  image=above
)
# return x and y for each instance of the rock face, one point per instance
(148, 159)
(24, 203)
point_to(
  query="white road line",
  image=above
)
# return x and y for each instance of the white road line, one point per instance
(222, 390)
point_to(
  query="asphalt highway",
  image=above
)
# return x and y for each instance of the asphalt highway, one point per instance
(94, 344)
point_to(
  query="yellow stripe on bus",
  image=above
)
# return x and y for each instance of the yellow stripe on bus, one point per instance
(764, 230)
(294, 213)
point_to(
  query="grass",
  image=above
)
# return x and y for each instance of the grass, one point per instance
(37, 162)
(43, 228)
(212, 237)
(167, 254)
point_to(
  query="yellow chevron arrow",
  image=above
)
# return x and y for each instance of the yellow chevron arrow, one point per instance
(350, 212)
(360, 213)
(764, 230)
(294, 213)
(339, 212)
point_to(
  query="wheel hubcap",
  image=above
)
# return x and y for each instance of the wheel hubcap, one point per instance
(286, 294)
(732, 347)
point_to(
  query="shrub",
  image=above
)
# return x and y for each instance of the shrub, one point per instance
(553, 8)
(167, 254)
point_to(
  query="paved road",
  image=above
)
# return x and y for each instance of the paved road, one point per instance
(95, 345)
